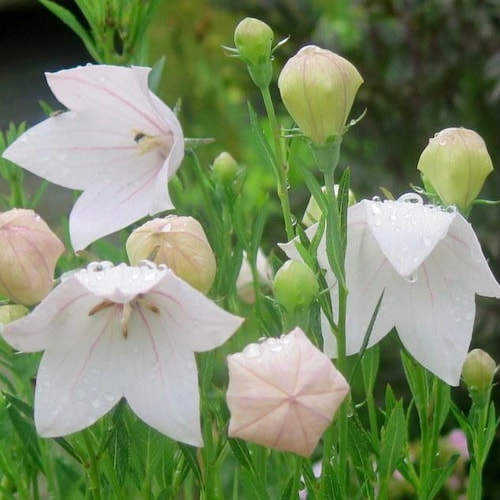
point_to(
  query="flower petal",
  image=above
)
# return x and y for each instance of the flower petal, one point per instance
(111, 91)
(162, 381)
(462, 257)
(120, 283)
(114, 205)
(434, 318)
(37, 330)
(79, 378)
(406, 232)
(193, 320)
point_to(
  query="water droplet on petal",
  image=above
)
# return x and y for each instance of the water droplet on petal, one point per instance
(96, 403)
(251, 351)
(411, 198)
(412, 277)
(376, 198)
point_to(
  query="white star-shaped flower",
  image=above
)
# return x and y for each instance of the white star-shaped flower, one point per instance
(112, 332)
(118, 143)
(428, 263)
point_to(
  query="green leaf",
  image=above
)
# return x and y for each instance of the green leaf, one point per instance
(17, 411)
(393, 440)
(253, 487)
(261, 142)
(72, 22)
(242, 454)
(189, 453)
(154, 78)
(435, 480)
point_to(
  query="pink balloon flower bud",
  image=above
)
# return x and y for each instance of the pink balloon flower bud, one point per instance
(28, 258)
(178, 242)
(283, 393)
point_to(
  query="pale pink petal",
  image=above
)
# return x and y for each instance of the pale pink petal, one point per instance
(110, 91)
(80, 377)
(406, 232)
(122, 283)
(193, 321)
(434, 317)
(114, 205)
(161, 379)
(462, 257)
(58, 310)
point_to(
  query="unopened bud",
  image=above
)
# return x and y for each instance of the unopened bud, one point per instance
(295, 286)
(28, 257)
(456, 163)
(254, 41)
(478, 370)
(225, 168)
(178, 242)
(312, 213)
(318, 88)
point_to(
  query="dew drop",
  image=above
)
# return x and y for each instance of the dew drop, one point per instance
(99, 266)
(411, 198)
(109, 397)
(427, 241)
(251, 351)
(412, 277)
(96, 403)
(443, 142)
(376, 198)
(146, 264)
(376, 209)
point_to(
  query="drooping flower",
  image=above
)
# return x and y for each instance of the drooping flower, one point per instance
(429, 265)
(180, 243)
(118, 143)
(283, 393)
(28, 256)
(112, 332)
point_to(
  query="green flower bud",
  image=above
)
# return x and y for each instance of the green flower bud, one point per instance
(178, 242)
(295, 286)
(254, 41)
(312, 213)
(10, 313)
(456, 163)
(225, 168)
(318, 88)
(478, 370)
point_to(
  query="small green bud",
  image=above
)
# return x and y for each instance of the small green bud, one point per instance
(225, 168)
(478, 370)
(312, 213)
(254, 41)
(318, 88)
(295, 286)
(10, 313)
(456, 163)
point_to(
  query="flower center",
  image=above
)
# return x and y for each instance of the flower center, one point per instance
(124, 311)
(147, 143)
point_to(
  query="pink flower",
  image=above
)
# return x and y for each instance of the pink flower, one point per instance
(118, 143)
(283, 393)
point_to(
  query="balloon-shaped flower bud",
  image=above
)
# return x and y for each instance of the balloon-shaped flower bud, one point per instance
(318, 88)
(295, 286)
(478, 370)
(11, 312)
(283, 393)
(312, 213)
(28, 256)
(455, 164)
(254, 40)
(178, 242)
(224, 168)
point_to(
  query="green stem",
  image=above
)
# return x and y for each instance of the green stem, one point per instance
(92, 468)
(281, 166)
